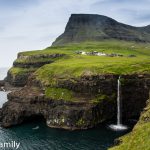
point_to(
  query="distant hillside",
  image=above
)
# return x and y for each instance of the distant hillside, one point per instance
(90, 27)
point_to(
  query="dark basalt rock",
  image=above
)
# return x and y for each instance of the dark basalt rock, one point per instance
(20, 56)
(2, 83)
(18, 80)
(57, 113)
(117, 142)
(29, 63)
(91, 84)
(90, 27)
(81, 114)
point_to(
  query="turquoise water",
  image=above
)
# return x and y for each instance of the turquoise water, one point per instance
(45, 138)
(37, 136)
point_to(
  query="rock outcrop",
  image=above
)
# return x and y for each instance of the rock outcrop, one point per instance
(2, 84)
(18, 80)
(88, 27)
(135, 89)
(30, 102)
(96, 102)
(24, 66)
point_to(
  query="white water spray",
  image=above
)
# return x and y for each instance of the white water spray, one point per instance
(119, 103)
(119, 125)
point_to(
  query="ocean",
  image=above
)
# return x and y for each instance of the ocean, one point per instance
(36, 135)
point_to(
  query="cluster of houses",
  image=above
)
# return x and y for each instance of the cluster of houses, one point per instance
(95, 53)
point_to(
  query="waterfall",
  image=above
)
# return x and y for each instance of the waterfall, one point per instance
(119, 102)
(119, 125)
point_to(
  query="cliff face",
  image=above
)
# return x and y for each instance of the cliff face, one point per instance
(135, 89)
(70, 114)
(74, 91)
(87, 27)
(95, 102)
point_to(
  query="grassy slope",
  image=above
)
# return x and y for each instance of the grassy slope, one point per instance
(139, 138)
(19, 71)
(74, 65)
(59, 93)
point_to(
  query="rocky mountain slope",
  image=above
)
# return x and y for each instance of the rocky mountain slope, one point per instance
(87, 27)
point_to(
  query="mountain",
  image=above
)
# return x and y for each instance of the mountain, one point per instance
(91, 27)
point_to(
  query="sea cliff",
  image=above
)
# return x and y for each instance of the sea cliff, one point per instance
(71, 87)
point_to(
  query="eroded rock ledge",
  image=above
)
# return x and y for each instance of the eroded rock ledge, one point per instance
(29, 102)
(95, 101)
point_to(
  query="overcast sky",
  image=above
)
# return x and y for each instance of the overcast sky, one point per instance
(35, 24)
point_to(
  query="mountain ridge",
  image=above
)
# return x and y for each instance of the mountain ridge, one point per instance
(93, 27)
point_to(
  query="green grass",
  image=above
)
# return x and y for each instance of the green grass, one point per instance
(59, 94)
(109, 46)
(19, 71)
(138, 139)
(100, 98)
(74, 65)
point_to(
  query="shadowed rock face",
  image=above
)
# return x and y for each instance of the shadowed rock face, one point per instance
(83, 113)
(88, 27)
(29, 102)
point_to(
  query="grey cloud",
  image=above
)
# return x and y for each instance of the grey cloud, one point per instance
(17, 3)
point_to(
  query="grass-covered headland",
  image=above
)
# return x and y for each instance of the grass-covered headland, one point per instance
(66, 63)
(76, 65)
(70, 64)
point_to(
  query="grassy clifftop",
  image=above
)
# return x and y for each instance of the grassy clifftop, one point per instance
(75, 65)
(64, 62)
